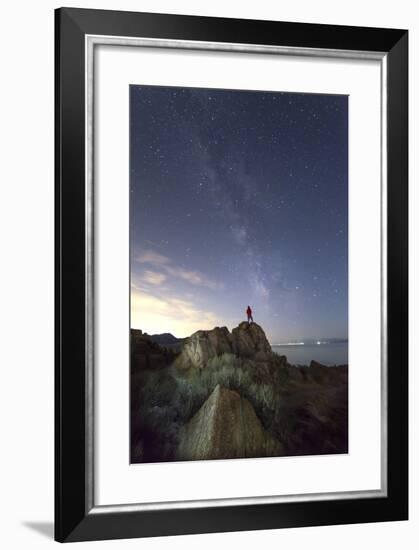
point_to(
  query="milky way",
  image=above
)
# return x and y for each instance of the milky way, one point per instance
(238, 198)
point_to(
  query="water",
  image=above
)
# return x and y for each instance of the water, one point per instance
(333, 353)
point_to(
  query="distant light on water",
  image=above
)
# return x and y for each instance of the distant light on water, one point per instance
(288, 344)
(324, 352)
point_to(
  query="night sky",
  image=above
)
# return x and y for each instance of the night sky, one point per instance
(237, 198)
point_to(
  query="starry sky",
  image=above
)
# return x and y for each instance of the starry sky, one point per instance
(239, 198)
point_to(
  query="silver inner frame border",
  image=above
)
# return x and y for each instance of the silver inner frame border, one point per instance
(90, 42)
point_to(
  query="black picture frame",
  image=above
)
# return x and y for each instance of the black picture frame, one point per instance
(75, 520)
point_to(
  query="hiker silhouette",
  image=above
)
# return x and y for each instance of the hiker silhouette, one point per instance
(249, 314)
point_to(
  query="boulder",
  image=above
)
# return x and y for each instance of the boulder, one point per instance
(226, 426)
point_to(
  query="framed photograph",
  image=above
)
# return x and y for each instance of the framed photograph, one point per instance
(231, 275)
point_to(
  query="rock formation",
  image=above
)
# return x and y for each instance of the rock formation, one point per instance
(226, 426)
(246, 340)
(227, 395)
(249, 340)
(203, 345)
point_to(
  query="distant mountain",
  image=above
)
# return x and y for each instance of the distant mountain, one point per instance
(166, 340)
(146, 353)
(166, 337)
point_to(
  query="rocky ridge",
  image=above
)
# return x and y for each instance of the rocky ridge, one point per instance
(226, 426)
(246, 340)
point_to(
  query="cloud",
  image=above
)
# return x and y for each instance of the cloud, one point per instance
(193, 277)
(154, 258)
(156, 313)
(153, 278)
(164, 264)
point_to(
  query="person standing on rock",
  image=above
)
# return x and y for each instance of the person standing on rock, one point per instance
(249, 314)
